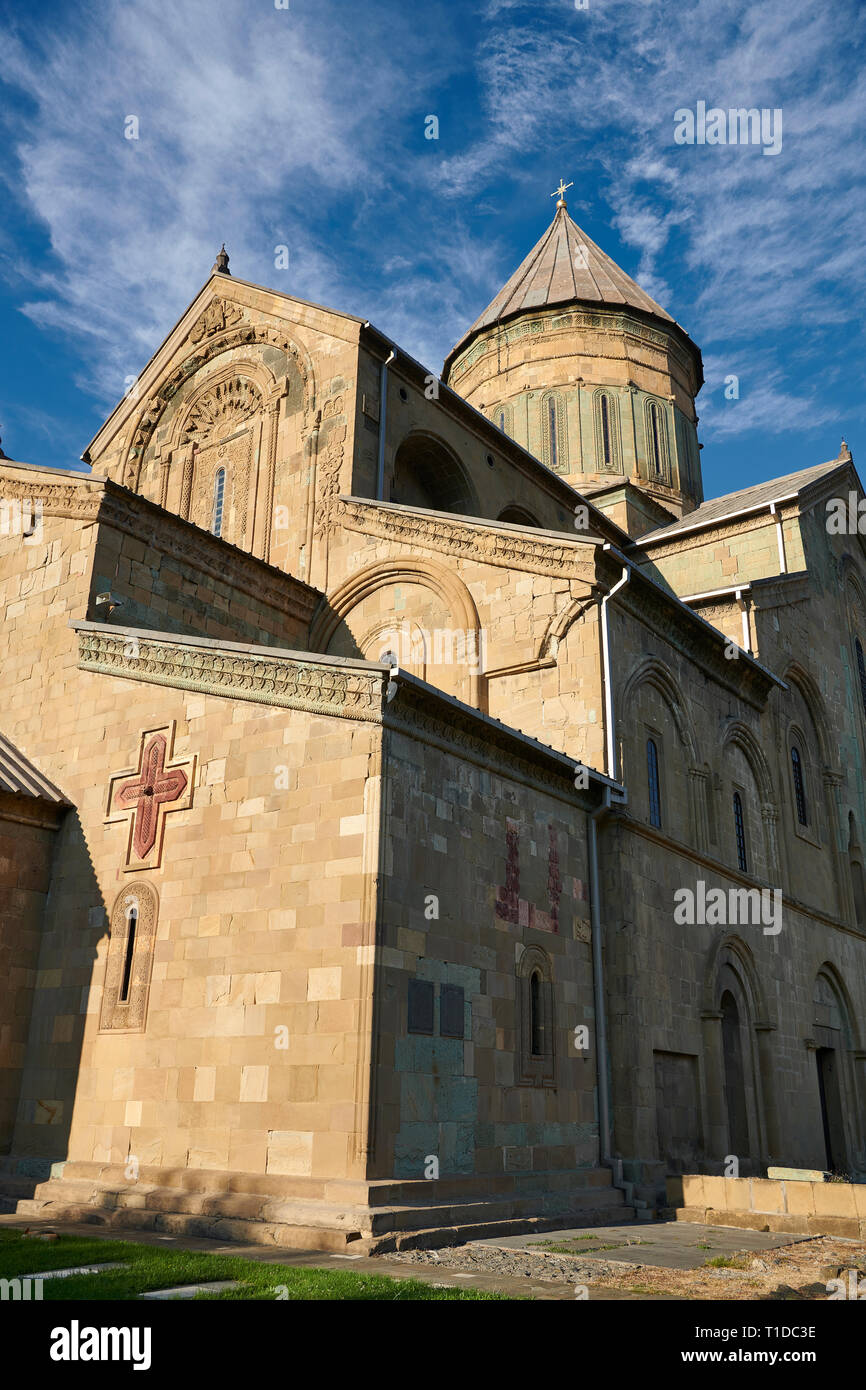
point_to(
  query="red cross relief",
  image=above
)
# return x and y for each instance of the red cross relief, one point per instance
(153, 786)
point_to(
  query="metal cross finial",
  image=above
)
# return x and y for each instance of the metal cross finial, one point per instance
(561, 190)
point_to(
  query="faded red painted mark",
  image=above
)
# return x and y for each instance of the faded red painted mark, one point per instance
(508, 904)
(554, 878)
(510, 907)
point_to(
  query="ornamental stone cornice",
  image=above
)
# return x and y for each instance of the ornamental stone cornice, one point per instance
(69, 498)
(470, 539)
(232, 671)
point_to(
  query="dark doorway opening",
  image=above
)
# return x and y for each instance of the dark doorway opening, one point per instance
(831, 1108)
(735, 1092)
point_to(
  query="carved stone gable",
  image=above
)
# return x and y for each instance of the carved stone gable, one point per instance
(218, 315)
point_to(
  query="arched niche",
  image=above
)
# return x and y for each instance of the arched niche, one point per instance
(426, 473)
(410, 607)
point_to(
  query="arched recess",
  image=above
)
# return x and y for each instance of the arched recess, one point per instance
(341, 624)
(427, 473)
(738, 1059)
(817, 864)
(856, 872)
(518, 516)
(797, 675)
(836, 1041)
(129, 963)
(535, 1022)
(755, 786)
(652, 707)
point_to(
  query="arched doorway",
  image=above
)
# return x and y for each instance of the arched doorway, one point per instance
(735, 1080)
(832, 1044)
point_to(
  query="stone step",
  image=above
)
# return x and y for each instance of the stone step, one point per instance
(317, 1235)
(433, 1238)
(542, 1205)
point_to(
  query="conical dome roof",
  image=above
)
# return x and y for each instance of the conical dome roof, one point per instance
(563, 267)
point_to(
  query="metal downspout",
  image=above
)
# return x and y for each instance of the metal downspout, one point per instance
(383, 415)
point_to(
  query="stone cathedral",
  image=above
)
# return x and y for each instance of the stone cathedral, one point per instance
(421, 813)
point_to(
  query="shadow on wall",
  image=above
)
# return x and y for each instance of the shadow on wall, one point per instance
(427, 474)
(53, 931)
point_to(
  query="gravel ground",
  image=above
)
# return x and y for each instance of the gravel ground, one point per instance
(799, 1271)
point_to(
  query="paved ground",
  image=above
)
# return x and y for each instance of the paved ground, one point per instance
(670, 1244)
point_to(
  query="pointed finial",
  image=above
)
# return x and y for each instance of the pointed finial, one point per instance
(221, 264)
(844, 448)
(561, 190)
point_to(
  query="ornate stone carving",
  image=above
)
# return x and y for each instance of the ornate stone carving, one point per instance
(473, 542)
(268, 680)
(223, 409)
(137, 903)
(219, 314)
(147, 794)
(246, 334)
(82, 500)
(235, 456)
(333, 434)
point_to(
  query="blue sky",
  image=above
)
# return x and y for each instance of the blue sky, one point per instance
(305, 127)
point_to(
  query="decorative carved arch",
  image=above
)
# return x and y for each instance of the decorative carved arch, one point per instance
(535, 1068)
(252, 385)
(797, 675)
(561, 623)
(739, 735)
(837, 984)
(336, 607)
(130, 1015)
(853, 584)
(733, 951)
(654, 673)
(247, 335)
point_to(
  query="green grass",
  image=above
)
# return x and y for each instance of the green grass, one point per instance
(729, 1262)
(152, 1267)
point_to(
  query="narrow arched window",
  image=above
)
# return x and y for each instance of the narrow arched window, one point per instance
(740, 829)
(502, 420)
(799, 785)
(551, 426)
(605, 432)
(219, 488)
(536, 1027)
(128, 955)
(655, 436)
(652, 770)
(861, 670)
